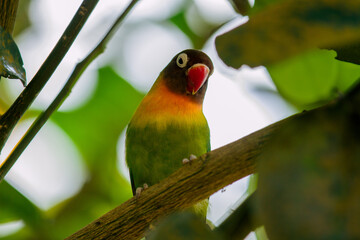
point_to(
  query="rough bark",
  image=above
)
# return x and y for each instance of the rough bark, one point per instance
(193, 182)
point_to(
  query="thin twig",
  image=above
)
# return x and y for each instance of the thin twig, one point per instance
(65, 91)
(26, 98)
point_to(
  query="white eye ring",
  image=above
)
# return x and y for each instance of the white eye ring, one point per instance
(182, 60)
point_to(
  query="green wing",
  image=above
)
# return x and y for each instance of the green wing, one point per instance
(153, 154)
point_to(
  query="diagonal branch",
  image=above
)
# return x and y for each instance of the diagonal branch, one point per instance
(65, 91)
(26, 98)
(190, 184)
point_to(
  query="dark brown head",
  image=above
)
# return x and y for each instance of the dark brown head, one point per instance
(187, 74)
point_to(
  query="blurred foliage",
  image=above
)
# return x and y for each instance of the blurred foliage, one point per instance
(260, 5)
(22, 21)
(289, 28)
(284, 37)
(197, 39)
(312, 78)
(180, 21)
(17, 207)
(11, 64)
(309, 183)
(95, 129)
(96, 136)
(309, 177)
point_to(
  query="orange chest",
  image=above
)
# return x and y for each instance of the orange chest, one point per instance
(162, 107)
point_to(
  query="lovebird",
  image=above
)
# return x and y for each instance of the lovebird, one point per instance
(169, 125)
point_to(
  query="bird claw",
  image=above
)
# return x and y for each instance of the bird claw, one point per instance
(139, 190)
(185, 161)
(190, 159)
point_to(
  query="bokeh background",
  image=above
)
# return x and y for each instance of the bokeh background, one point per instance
(76, 162)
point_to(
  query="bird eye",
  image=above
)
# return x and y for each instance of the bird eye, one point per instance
(182, 60)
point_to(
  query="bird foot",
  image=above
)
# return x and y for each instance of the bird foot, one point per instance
(190, 159)
(139, 190)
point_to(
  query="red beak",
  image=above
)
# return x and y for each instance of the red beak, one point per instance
(197, 75)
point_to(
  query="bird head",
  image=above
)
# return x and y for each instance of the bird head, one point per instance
(188, 72)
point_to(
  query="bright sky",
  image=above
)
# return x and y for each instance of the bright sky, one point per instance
(234, 105)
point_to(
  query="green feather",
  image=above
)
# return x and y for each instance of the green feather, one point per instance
(152, 154)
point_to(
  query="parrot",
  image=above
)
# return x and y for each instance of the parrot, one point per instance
(169, 126)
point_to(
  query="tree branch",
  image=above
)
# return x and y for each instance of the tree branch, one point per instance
(196, 181)
(60, 98)
(242, 221)
(190, 184)
(22, 103)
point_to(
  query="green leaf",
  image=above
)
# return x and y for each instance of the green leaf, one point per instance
(180, 21)
(11, 64)
(198, 41)
(288, 28)
(307, 78)
(312, 78)
(348, 74)
(96, 126)
(309, 175)
(14, 206)
(22, 21)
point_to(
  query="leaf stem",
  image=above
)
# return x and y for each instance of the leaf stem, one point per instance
(63, 94)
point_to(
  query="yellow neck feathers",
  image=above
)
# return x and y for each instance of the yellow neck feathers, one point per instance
(162, 107)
